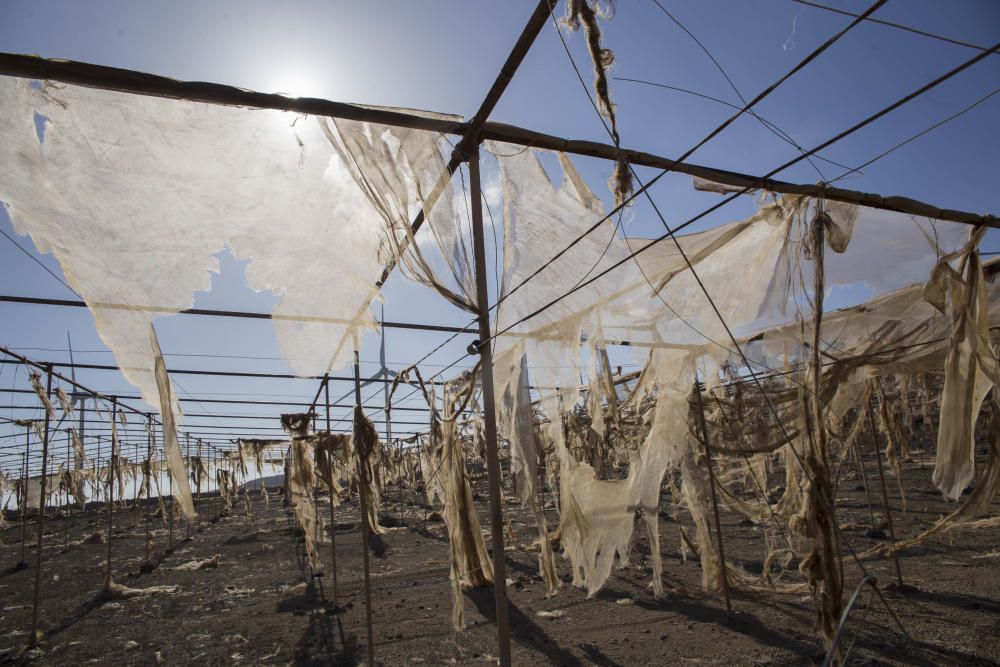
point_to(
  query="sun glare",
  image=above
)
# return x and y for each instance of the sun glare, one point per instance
(295, 84)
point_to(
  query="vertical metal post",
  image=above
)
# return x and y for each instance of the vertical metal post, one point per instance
(111, 485)
(489, 410)
(83, 421)
(207, 461)
(332, 482)
(97, 468)
(703, 427)
(217, 464)
(187, 450)
(363, 502)
(885, 493)
(197, 492)
(148, 475)
(210, 475)
(399, 459)
(864, 481)
(83, 412)
(60, 492)
(388, 445)
(212, 472)
(216, 459)
(136, 488)
(170, 519)
(23, 502)
(33, 638)
(82, 426)
(69, 476)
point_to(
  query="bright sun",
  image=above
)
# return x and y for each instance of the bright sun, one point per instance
(295, 84)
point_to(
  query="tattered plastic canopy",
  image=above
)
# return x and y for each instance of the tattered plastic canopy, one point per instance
(134, 195)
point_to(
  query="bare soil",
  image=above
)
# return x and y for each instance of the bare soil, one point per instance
(255, 608)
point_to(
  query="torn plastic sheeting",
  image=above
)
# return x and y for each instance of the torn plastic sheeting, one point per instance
(970, 368)
(301, 480)
(171, 447)
(135, 195)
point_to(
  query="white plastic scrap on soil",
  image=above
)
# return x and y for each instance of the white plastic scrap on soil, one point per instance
(200, 564)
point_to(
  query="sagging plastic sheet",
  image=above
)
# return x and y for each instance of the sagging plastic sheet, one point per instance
(135, 195)
(758, 273)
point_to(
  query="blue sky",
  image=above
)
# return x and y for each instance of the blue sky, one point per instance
(443, 56)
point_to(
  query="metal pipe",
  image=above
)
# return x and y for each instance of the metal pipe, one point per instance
(363, 483)
(123, 397)
(146, 478)
(489, 413)
(388, 444)
(198, 470)
(47, 367)
(82, 434)
(703, 426)
(34, 637)
(333, 500)
(111, 488)
(189, 371)
(69, 473)
(23, 500)
(97, 471)
(141, 83)
(864, 480)
(410, 326)
(170, 519)
(885, 493)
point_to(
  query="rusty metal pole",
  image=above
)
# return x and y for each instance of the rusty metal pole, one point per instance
(111, 486)
(885, 493)
(703, 427)
(485, 348)
(33, 637)
(333, 506)
(363, 502)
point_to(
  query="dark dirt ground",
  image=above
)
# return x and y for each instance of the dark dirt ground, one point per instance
(255, 608)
